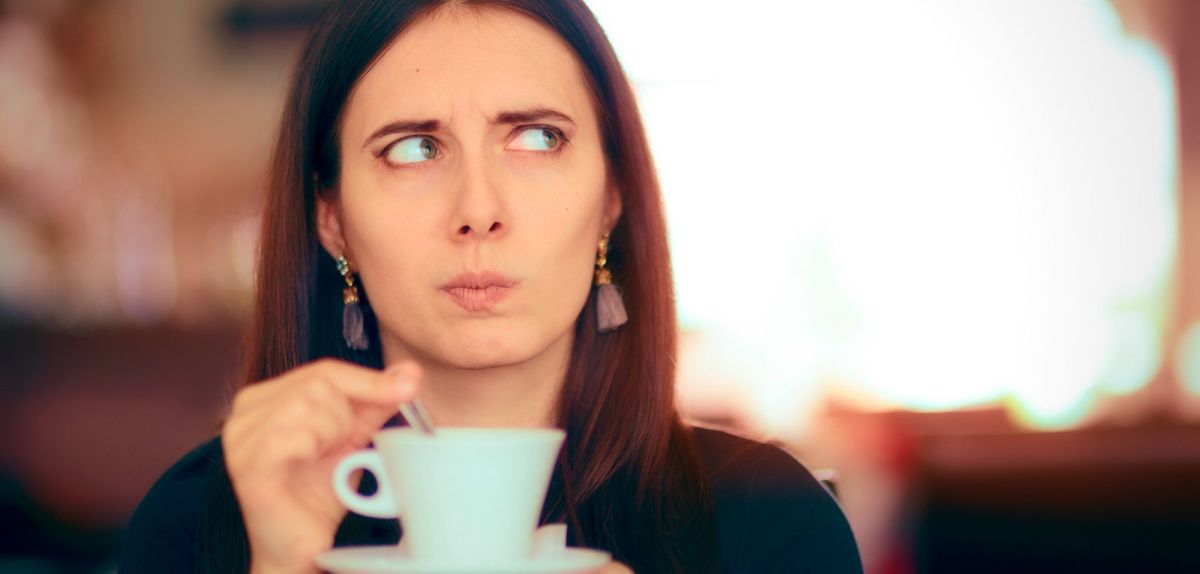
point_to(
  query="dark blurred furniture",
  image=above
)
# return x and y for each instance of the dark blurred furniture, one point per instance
(1097, 501)
(90, 418)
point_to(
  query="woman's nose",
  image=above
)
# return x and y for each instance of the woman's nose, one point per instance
(466, 229)
(480, 211)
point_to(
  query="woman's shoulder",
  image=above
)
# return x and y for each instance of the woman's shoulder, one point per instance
(162, 531)
(729, 457)
(772, 514)
(199, 462)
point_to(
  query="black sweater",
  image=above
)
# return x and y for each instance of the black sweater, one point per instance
(772, 516)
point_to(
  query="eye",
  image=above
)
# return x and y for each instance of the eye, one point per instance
(410, 150)
(538, 139)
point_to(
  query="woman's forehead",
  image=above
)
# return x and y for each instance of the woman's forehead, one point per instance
(467, 63)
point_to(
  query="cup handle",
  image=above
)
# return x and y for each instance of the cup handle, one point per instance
(382, 504)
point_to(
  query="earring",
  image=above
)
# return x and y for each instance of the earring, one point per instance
(352, 317)
(610, 307)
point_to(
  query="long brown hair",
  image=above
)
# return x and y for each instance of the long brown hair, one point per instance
(630, 478)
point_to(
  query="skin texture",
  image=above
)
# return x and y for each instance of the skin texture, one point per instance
(528, 199)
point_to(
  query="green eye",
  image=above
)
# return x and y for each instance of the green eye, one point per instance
(538, 139)
(414, 149)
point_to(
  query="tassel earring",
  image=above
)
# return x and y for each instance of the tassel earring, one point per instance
(352, 317)
(610, 307)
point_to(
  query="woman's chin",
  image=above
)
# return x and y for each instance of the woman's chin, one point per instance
(486, 353)
(484, 358)
(486, 346)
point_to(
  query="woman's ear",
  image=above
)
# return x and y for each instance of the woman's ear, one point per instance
(329, 227)
(612, 208)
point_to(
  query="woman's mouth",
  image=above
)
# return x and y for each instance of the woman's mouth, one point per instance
(478, 291)
(476, 299)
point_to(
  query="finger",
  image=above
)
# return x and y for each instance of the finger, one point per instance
(342, 410)
(257, 407)
(299, 432)
(388, 388)
(326, 413)
(253, 394)
(368, 420)
(268, 449)
(323, 425)
(314, 407)
(256, 394)
(357, 422)
(366, 398)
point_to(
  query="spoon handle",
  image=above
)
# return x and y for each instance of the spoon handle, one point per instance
(417, 417)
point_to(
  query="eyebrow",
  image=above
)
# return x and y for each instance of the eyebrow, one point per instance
(403, 126)
(532, 115)
(509, 117)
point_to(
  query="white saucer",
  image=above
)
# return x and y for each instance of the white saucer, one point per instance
(394, 560)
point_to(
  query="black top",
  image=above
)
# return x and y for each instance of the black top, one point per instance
(772, 516)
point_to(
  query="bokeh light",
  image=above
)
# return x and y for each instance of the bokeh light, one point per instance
(981, 213)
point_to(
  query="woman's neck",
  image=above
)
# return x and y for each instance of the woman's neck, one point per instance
(519, 395)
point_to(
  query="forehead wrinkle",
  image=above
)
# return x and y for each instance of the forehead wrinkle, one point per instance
(589, 110)
(446, 24)
(554, 94)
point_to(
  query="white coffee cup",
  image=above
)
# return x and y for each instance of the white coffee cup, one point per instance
(463, 496)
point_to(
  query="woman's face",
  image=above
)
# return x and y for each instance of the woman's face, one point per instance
(473, 189)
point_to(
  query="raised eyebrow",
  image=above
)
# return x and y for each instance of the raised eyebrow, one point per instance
(532, 115)
(403, 127)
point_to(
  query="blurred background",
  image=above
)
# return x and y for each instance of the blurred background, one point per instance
(949, 250)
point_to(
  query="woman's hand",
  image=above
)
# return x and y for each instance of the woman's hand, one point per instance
(282, 441)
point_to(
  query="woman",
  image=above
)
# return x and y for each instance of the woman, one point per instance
(450, 180)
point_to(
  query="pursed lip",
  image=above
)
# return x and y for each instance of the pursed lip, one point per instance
(479, 281)
(478, 291)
